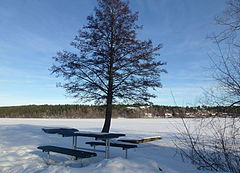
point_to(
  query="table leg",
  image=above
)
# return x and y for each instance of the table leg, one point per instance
(73, 142)
(48, 157)
(107, 149)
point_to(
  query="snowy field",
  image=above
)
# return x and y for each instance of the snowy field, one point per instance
(19, 139)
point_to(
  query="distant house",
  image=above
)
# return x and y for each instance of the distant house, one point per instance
(144, 107)
(168, 115)
(148, 115)
(132, 108)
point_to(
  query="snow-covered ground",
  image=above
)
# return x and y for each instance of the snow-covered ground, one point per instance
(19, 139)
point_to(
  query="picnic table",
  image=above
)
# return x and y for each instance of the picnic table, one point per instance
(74, 133)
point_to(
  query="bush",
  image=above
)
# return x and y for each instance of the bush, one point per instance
(213, 145)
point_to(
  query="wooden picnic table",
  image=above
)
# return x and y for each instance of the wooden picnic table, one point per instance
(70, 132)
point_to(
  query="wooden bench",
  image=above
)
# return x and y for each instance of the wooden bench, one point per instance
(143, 140)
(76, 153)
(124, 146)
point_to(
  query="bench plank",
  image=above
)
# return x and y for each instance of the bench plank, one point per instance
(67, 151)
(122, 145)
(113, 144)
(143, 140)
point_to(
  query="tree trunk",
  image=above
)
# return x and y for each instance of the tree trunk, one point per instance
(108, 117)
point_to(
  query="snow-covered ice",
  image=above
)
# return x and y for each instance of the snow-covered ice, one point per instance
(19, 139)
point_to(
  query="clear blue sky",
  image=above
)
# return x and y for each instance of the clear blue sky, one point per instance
(32, 31)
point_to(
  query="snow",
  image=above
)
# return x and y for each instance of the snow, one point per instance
(19, 139)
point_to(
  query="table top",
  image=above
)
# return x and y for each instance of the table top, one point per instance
(97, 134)
(67, 132)
(58, 130)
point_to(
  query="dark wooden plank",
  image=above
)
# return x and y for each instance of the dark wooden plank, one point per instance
(138, 141)
(67, 151)
(67, 132)
(97, 135)
(59, 130)
(113, 144)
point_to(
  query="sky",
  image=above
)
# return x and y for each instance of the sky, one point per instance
(32, 31)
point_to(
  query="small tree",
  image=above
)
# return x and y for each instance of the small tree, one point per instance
(110, 64)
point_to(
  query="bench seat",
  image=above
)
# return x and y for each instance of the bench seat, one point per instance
(113, 144)
(122, 145)
(76, 153)
(143, 140)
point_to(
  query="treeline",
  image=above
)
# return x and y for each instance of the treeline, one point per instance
(124, 111)
(65, 111)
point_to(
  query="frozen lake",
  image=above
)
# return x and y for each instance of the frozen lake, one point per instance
(19, 139)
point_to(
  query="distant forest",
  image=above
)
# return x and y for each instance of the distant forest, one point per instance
(119, 111)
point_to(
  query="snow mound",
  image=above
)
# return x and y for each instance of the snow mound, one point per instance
(120, 165)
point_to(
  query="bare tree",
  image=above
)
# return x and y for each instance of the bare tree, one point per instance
(226, 59)
(226, 72)
(230, 22)
(110, 64)
(213, 144)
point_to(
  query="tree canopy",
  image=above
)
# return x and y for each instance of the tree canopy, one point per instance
(110, 64)
(226, 60)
